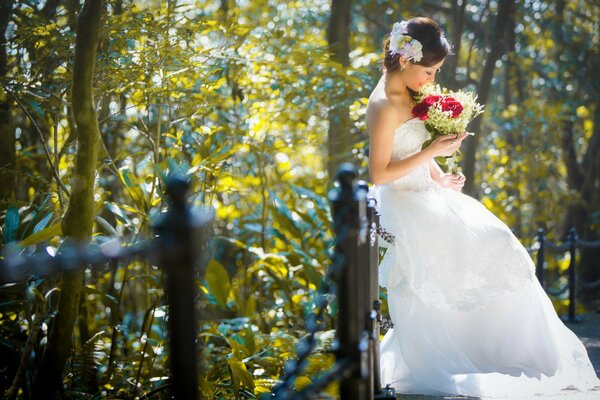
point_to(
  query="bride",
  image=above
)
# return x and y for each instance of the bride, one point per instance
(470, 317)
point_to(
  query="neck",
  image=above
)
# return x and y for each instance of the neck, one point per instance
(395, 85)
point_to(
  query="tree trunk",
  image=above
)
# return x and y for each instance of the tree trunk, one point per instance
(339, 144)
(498, 48)
(7, 133)
(513, 137)
(458, 17)
(79, 217)
(582, 176)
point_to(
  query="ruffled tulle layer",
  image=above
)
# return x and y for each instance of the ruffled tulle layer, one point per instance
(515, 345)
(470, 317)
(449, 250)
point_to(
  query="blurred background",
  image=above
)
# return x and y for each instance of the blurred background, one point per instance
(258, 102)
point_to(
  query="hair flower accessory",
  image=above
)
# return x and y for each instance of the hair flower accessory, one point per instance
(403, 44)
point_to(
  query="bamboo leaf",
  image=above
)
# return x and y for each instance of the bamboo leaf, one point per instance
(218, 282)
(11, 223)
(43, 235)
(43, 222)
(240, 375)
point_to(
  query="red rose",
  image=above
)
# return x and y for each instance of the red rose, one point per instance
(451, 104)
(431, 100)
(420, 110)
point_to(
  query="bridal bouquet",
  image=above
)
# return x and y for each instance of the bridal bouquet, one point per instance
(446, 112)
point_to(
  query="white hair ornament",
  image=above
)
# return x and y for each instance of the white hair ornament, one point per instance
(404, 44)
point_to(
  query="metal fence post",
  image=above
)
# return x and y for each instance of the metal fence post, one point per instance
(539, 270)
(181, 238)
(350, 326)
(368, 283)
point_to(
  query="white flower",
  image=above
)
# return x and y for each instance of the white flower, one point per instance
(400, 28)
(403, 44)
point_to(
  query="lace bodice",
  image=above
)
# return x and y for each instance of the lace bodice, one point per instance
(408, 139)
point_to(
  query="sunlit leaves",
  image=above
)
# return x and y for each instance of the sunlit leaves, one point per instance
(42, 235)
(218, 282)
(240, 375)
(238, 103)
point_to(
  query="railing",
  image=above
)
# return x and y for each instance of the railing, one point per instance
(178, 248)
(570, 245)
(352, 277)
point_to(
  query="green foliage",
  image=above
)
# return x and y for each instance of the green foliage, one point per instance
(237, 100)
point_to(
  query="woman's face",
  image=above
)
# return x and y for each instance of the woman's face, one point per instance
(416, 76)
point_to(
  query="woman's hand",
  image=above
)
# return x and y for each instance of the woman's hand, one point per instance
(446, 145)
(452, 181)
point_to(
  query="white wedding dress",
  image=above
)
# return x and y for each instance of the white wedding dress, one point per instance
(470, 317)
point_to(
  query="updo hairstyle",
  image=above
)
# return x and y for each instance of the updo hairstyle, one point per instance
(435, 45)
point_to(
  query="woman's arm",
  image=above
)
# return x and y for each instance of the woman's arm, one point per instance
(448, 181)
(381, 167)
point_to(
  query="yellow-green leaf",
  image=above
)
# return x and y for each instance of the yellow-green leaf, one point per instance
(44, 234)
(218, 282)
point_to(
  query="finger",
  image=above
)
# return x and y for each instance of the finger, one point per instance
(463, 136)
(446, 138)
(454, 143)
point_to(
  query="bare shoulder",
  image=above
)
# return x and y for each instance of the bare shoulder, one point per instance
(380, 111)
(382, 116)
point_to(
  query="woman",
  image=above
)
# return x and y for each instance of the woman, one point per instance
(470, 317)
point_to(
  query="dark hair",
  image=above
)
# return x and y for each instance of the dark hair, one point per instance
(435, 45)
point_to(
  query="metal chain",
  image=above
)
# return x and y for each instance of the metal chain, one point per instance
(385, 235)
(549, 245)
(377, 228)
(588, 244)
(314, 324)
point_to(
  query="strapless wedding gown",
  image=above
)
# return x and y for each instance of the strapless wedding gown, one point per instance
(470, 317)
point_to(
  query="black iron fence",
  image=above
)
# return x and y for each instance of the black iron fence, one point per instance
(181, 235)
(570, 245)
(352, 279)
